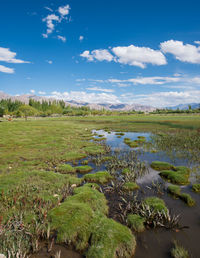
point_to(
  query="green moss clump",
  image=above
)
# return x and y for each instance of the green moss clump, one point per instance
(85, 162)
(187, 199)
(136, 222)
(156, 203)
(126, 171)
(160, 165)
(196, 188)
(66, 168)
(83, 169)
(94, 149)
(174, 190)
(178, 251)
(81, 220)
(99, 139)
(130, 143)
(175, 177)
(92, 185)
(100, 177)
(120, 134)
(130, 186)
(110, 239)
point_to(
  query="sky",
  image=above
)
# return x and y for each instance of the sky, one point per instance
(102, 51)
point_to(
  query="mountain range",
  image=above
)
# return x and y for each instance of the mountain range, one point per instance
(108, 106)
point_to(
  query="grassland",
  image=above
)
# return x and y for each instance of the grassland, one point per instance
(35, 183)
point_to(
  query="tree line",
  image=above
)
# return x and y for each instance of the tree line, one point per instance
(46, 108)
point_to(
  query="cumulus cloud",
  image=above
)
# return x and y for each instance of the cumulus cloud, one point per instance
(64, 10)
(98, 54)
(131, 55)
(184, 53)
(139, 56)
(82, 96)
(9, 57)
(50, 25)
(32, 91)
(52, 19)
(62, 38)
(5, 69)
(100, 89)
(49, 61)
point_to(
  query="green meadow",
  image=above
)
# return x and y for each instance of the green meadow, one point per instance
(43, 200)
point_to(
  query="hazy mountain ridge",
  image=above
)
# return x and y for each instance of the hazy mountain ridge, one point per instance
(108, 106)
(185, 106)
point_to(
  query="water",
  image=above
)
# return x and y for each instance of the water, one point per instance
(154, 243)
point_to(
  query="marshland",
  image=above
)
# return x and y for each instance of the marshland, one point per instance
(114, 186)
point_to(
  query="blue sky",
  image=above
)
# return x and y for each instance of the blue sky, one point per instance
(145, 52)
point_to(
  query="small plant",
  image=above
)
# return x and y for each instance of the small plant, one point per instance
(160, 165)
(100, 177)
(83, 169)
(156, 204)
(136, 222)
(66, 168)
(130, 186)
(196, 188)
(187, 199)
(179, 251)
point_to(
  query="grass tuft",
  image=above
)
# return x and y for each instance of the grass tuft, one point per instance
(136, 222)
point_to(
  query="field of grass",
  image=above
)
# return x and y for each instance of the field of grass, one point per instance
(33, 175)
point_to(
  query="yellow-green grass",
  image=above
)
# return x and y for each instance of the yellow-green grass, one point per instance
(130, 186)
(83, 169)
(136, 222)
(175, 191)
(196, 188)
(100, 177)
(155, 203)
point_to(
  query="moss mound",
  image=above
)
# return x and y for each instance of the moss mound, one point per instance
(126, 171)
(83, 169)
(120, 134)
(100, 177)
(160, 165)
(130, 143)
(187, 199)
(66, 168)
(156, 204)
(130, 186)
(179, 177)
(136, 222)
(196, 188)
(85, 162)
(174, 190)
(111, 239)
(81, 221)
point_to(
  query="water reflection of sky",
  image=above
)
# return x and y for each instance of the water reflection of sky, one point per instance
(118, 143)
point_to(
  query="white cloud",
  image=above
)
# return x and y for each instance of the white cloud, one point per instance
(62, 38)
(156, 80)
(64, 10)
(164, 99)
(5, 69)
(8, 56)
(98, 54)
(131, 55)
(41, 92)
(49, 22)
(138, 56)
(80, 80)
(185, 53)
(82, 96)
(197, 42)
(48, 8)
(32, 91)
(100, 89)
(49, 61)
(81, 38)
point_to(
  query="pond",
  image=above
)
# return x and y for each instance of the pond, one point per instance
(158, 242)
